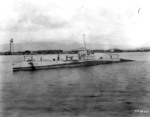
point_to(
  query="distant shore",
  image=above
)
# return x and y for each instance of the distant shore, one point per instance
(45, 52)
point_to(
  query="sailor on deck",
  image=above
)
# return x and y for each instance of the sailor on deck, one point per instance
(58, 57)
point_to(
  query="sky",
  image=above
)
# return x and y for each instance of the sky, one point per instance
(111, 23)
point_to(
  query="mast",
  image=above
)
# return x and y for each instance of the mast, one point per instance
(84, 42)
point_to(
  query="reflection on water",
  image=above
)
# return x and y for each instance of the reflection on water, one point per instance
(116, 90)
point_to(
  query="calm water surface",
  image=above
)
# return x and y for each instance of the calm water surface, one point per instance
(114, 90)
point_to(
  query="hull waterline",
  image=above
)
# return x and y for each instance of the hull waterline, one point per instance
(31, 66)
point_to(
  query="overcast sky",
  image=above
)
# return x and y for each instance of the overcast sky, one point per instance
(112, 23)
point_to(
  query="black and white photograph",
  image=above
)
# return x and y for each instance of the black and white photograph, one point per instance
(74, 58)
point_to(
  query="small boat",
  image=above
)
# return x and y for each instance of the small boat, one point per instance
(83, 58)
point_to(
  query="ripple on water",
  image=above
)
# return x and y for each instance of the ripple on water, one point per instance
(116, 90)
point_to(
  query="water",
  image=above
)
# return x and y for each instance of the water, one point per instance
(114, 90)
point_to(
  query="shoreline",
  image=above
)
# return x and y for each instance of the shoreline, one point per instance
(69, 52)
